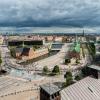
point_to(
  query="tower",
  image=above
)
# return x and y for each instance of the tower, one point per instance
(76, 38)
(83, 34)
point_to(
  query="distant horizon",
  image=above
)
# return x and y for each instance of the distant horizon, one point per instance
(49, 30)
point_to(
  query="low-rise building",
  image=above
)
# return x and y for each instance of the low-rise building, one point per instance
(29, 53)
(25, 40)
(49, 38)
(85, 89)
(58, 39)
(49, 92)
(97, 46)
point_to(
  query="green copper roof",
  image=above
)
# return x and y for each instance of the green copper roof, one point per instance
(76, 47)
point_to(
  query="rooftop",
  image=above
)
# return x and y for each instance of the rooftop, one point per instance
(86, 89)
(50, 88)
(94, 67)
(24, 38)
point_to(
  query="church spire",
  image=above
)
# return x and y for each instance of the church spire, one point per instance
(83, 33)
(76, 38)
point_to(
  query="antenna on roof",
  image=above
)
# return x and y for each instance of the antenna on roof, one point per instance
(93, 91)
(90, 89)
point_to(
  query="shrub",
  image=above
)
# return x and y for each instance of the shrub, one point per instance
(0, 64)
(67, 61)
(45, 69)
(56, 70)
(78, 77)
(68, 74)
(69, 80)
(0, 61)
(77, 61)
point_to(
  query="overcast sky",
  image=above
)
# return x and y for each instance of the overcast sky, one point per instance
(51, 13)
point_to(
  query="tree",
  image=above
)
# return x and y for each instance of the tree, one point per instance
(0, 63)
(93, 49)
(56, 70)
(67, 61)
(45, 69)
(68, 74)
(69, 80)
(77, 61)
(78, 77)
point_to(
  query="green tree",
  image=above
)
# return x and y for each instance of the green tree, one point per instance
(93, 49)
(67, 61)
(77, 61)
(45, 69)
(0, 63)
(56, 70)
(69, 80)
(68, 74)
(78, 77)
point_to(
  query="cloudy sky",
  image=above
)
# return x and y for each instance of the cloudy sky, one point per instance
(65, 15)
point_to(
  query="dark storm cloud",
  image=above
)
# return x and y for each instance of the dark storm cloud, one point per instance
(41, 13)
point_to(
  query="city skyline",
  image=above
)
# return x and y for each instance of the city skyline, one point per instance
(12, 30)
